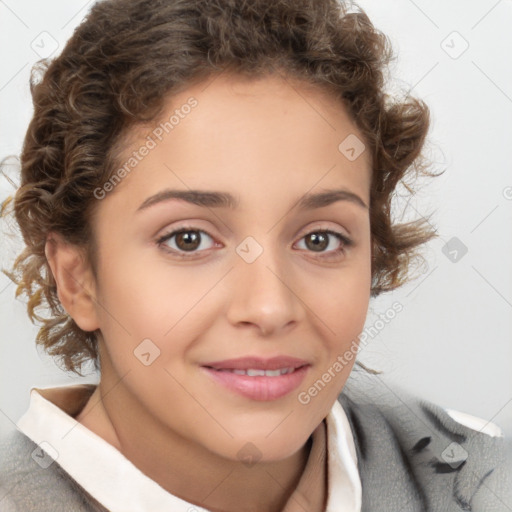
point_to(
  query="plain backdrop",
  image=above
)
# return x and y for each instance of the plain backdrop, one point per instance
(452, 341)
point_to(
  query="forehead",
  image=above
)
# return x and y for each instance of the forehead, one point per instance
(231, 132)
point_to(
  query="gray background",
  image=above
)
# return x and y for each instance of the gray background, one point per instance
(451, 344)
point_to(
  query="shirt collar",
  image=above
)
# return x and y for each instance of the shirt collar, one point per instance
(110, 478)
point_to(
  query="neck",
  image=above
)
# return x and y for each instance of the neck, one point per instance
(184, 468)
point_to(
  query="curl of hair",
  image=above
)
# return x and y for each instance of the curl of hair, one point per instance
(127, 56)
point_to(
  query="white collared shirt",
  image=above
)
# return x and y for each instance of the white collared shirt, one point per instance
(109, 477)
(115, 482)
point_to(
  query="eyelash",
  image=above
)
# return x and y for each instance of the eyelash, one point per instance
(345, 242)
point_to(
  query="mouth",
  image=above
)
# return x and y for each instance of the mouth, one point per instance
(256, 382)
(251, 363)
(255, 372)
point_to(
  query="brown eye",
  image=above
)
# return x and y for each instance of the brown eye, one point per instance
(320, 240)
(317, 241)
(184, 241)
(188, 240)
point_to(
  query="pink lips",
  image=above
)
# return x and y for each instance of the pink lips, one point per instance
(262, 388)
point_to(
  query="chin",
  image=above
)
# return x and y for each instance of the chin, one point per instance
(262, 447)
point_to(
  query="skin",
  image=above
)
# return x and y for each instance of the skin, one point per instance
(267, 142)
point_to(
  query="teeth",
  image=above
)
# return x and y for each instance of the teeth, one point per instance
(262, 373)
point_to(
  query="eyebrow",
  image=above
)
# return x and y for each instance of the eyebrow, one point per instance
(214, 199)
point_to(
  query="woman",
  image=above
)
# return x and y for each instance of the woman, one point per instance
(205, 199)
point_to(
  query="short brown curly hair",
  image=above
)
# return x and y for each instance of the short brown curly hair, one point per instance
(127, 56)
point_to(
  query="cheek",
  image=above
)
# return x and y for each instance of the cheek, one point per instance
(342, 299)
(152, 300)
(342, 317)
(341, 305)
(342, 308)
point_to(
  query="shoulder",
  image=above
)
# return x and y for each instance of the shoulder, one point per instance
(30, 479)
(417, 449)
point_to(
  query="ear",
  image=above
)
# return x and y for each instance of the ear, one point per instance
(75, 281)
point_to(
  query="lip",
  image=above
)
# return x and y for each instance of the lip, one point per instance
(258, 363)
(260, 388)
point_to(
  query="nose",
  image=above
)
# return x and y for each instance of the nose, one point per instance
(262, 294)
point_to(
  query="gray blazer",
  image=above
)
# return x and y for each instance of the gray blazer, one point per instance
(412, 457)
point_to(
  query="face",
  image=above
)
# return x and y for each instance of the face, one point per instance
(187, 282)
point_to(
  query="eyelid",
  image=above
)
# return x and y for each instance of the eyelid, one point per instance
(346, 240)
(160, 241)
(321, 226)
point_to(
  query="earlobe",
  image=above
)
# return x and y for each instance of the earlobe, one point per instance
(75, 281)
